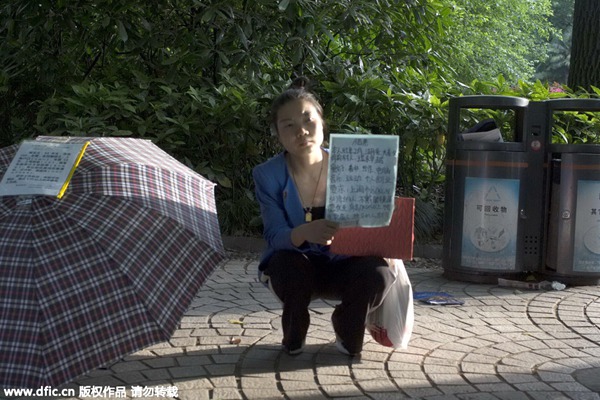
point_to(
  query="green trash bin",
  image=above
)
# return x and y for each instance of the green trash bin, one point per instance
(494, 195)
(572, 250)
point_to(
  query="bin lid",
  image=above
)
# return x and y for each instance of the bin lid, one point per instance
(573, 104)
(489, 101)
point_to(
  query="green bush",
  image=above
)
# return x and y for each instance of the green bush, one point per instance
(198, 79)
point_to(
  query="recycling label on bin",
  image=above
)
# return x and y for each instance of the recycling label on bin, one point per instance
(490, 219)
(586, 246)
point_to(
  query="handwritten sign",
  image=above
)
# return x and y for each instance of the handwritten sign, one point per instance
(361, 182)
(41, 168)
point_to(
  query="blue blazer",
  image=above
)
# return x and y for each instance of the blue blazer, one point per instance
(280, 207)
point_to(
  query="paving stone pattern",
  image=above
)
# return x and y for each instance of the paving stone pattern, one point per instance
(501, 344)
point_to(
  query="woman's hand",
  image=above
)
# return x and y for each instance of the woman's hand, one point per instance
(320, 231)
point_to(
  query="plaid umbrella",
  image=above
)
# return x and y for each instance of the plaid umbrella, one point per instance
(106, 270)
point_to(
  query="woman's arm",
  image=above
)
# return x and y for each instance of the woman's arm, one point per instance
(277, 228)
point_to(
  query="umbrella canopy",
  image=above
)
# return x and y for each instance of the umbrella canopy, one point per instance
(107, 269)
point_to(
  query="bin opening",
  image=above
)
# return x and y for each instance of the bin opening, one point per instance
(575, 127)
(484, 131)
(490, 125)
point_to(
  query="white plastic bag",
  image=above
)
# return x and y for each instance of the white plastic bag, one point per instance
(391, 323)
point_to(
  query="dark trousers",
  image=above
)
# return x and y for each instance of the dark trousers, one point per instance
(297, 278)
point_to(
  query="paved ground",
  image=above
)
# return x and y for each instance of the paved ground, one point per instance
(501, 344)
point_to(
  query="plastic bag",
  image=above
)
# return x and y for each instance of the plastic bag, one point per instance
(391, 324)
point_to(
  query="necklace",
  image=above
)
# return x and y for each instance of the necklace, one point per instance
(308, 209)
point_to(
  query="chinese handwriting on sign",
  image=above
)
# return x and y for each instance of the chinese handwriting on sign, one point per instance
(361, 182)
(38, 166)
(41, 168)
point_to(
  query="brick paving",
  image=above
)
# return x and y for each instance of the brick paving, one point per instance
(503, 343)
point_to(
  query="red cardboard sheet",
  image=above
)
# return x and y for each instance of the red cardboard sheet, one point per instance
(392, 241)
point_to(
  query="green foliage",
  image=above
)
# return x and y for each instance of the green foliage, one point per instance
(198, 77)
(502, 37)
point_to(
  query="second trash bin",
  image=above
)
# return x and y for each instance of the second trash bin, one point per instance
(572, 253)
(493, 217)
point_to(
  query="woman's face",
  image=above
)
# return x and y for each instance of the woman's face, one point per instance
(300, 127)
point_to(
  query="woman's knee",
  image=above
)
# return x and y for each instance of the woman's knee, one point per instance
(380, 276)
(288, 264)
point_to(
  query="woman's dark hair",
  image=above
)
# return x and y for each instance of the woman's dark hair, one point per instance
(298, 90)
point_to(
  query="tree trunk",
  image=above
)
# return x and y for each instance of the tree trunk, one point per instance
(584, 71)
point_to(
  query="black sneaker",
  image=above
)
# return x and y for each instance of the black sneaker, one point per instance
(294, 351)
(339, 345)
